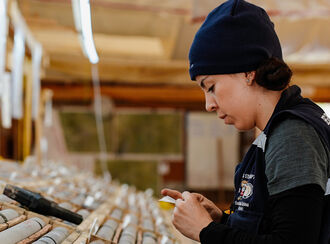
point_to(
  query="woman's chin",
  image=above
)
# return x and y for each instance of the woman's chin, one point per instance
(242, 127)
(239, 125)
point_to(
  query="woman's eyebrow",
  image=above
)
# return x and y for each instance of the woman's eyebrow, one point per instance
(202, 81)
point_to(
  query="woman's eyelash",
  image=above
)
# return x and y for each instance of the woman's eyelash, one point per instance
(211, 89)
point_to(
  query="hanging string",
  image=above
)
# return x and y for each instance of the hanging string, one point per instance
(99, 123)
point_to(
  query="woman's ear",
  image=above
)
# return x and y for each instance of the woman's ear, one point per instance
(249, 76)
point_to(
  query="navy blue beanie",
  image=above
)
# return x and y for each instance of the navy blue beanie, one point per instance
(236, 37)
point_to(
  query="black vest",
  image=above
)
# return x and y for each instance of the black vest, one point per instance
(251, 193)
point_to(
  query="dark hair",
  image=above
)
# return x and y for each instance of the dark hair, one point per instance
(273, 74)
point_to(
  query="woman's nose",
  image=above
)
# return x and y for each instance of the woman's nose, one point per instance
(210, 104)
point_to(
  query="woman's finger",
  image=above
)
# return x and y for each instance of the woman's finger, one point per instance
(186, 195)
(171, 193)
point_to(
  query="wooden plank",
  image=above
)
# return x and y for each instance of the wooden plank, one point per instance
(38, 133)
(182, 7)
(118, 70)
(27, 120)
(63, 41)
(17, 140)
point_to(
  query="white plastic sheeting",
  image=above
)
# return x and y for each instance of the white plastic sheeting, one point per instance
(4, 77)
(3, 34)
(17, 73)
(23, 36)
(5, 101)
(36, 65)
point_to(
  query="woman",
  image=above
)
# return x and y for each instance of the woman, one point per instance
(236, 59)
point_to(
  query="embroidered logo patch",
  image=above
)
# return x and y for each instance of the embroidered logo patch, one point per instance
(246, 190)
(326, 118)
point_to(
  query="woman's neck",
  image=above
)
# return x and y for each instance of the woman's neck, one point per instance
(266, 103)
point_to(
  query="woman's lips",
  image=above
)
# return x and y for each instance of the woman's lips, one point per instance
(223, 116)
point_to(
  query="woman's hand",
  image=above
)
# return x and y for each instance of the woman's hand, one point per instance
(190, 216)
(211, 208)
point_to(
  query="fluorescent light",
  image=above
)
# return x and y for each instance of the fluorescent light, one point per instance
(77, 22)
(86, 31)
(76, 14)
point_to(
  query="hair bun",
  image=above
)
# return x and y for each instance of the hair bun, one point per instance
(273, 74)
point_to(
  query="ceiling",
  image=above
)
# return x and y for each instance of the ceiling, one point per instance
(146, 42)
(136, 42)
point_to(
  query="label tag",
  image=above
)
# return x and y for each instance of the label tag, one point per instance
(167, 199)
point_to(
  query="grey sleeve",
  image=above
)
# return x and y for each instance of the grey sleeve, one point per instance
(295, 156)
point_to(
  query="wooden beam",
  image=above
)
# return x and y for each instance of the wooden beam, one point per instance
(182, 7)
(68, 68)
(63, 40)
(27, 119)
(134, 95)
(317, 94)
(315, 75)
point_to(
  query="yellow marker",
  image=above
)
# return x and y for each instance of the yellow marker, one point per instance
(167, 203)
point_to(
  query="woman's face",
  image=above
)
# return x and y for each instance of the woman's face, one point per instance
(232, 97)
